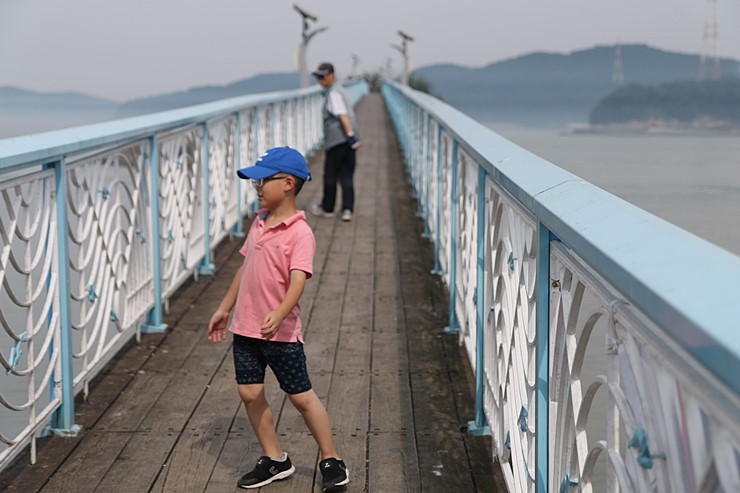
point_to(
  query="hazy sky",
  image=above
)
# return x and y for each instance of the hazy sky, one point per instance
(122, 49)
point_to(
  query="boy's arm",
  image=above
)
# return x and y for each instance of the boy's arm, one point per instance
(272, 321)
(217, 325)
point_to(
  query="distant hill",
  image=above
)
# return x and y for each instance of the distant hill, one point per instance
(258, 83)
(23, 112)
(552, 88)
(12, 98)
(545, 89)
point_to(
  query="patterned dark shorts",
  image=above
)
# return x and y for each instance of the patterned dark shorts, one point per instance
(286, 359)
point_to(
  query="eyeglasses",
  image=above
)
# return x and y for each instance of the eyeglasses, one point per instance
(262, 181)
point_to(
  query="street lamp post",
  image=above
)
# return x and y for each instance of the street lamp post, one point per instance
(355, 63)
(405, 38)
(305, 38)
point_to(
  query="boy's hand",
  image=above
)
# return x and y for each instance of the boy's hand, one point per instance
(271, 324)
(217, 326)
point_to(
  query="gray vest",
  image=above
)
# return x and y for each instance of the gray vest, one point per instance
(333, 130)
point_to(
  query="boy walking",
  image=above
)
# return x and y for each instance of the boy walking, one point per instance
(278, 259)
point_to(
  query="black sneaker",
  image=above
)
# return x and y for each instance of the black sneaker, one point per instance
(335, 475)
(265, 472)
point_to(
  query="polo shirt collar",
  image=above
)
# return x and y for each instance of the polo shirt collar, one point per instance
(298, 216)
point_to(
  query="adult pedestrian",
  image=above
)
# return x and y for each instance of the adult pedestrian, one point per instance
(341, 140)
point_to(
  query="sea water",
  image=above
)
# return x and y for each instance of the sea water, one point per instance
(690, 181)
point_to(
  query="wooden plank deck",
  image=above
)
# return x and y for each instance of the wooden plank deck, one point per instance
(165, 415)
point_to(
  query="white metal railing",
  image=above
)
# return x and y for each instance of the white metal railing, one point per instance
(99, 225)
(604, 340)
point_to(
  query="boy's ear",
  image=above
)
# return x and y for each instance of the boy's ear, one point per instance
(290, 182)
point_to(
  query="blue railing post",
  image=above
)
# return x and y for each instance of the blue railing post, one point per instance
(154, 322)
(415, 156)
(206, 265)
(409, 124)
(422, 159)
(273, 123)
(427, 165)
(542, 358)
(480, 425)
(285, 117)
(256, 127)
(438, 183)
(63, 420)
(296, 106)
(453, 327)
(238, 231)
(257, 150)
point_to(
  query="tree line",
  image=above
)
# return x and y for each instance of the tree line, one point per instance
(683, 101)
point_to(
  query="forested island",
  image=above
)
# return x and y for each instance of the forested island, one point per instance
(710, 105)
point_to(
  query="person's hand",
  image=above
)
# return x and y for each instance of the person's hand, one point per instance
(271, 324)
(353, 141)
(217, 326)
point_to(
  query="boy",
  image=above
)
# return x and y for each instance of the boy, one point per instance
(278, 258)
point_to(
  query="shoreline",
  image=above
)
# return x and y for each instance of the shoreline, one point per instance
(701, 128)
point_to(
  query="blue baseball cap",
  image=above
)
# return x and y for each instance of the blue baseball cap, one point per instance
(276, 160)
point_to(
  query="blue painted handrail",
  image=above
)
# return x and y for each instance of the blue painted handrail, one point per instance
(203, 144)
(685, 286)
(641, 254)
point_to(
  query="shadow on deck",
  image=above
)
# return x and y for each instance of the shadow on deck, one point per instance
(165, 414)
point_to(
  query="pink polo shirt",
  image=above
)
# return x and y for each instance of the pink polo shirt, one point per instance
(269, 256)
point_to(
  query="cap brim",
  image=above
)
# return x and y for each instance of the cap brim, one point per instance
(255, 172)
(320, 74)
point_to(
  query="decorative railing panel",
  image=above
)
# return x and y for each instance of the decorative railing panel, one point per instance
(431, 205)
(633, 370)
(248, 152)
(223, 196)
(445, 216)
(604, 340)
(509, 330)
(181, 213)
(110, 260)
(29, 320)
(265, 116)
(101, 224)
(467, 251)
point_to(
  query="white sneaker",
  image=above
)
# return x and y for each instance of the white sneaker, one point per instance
(317, 210)
(346, 215)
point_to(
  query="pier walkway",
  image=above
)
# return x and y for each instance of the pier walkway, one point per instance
(165, 415)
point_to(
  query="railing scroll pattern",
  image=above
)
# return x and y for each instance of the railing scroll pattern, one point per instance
(110, 258)
(509, 333)
(597, 367)
(467, 251)
(181, 206)
(30, 381)
(143, 203)
(667, 426)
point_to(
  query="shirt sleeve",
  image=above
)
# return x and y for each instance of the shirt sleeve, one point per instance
(336, 104)
(303, 252)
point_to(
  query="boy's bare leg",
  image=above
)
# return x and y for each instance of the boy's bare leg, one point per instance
(261, 419)
(317, 419)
